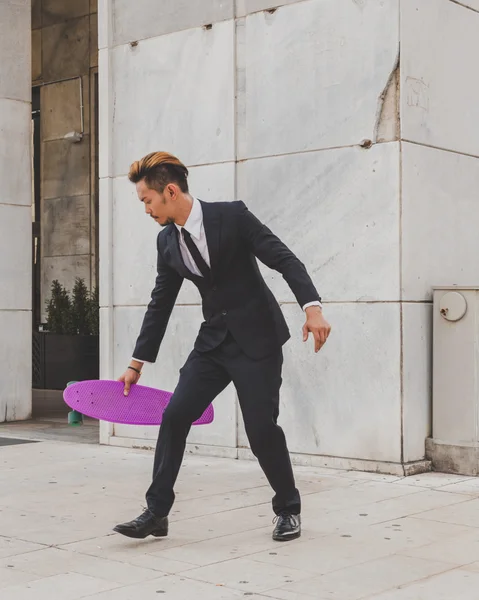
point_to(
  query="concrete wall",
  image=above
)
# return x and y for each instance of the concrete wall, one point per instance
(15, 211)
(64, 60)
(361, 159)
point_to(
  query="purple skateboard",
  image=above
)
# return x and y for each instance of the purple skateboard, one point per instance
(104, 400)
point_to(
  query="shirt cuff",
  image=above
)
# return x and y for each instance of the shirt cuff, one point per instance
(142, 361)
(315, 303)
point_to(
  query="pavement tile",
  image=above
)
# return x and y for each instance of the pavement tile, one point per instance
(458, 584)
(68, 586)
(10, 546)
(432, 479)
(10, 576)
(247, 575)
(463, 513)
(55, 561)
(376, 512)
(459, 550)
(361, 581)
(469, 487)
(172, 586)
(221, 548)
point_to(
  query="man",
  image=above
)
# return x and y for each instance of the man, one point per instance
(216, 245)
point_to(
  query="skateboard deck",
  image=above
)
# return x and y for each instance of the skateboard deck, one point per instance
(104, 400)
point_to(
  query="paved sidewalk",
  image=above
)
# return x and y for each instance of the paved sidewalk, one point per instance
(364, 535)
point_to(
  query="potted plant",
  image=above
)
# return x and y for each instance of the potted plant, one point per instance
(70, 340)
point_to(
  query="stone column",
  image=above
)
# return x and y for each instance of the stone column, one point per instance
(15, 210)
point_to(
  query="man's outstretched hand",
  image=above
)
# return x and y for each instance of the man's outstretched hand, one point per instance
(317, 325)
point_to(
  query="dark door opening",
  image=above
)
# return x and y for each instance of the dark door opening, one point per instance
(36, 232)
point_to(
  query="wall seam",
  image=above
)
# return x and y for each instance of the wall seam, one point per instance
(235, 172)
(105, 99)
(28, 102)
(464, 6)
(439, 148)
(268, 156)
(401, 295)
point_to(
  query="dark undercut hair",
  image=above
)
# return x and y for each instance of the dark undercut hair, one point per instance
(158, 169)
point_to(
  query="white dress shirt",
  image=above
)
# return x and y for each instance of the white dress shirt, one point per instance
(194, 226)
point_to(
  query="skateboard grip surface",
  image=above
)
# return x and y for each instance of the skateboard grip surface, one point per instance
(104, 400)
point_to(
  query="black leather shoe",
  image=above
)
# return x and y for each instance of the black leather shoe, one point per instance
(144, 525)
(288, 527)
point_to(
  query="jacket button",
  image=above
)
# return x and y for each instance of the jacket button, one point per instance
(224, 313)
(214, 288)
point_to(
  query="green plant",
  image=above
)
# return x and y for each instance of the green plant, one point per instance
(78, 314)
(94, 312)
(79, 307)
(58, 309)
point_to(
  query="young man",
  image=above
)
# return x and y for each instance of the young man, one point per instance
(216, 245)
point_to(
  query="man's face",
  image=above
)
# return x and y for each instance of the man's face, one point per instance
(157, 205)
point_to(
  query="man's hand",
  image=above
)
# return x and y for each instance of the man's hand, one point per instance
(317, 325)
(130, 376)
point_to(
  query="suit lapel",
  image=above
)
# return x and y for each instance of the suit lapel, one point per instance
(174, 248)
(212, 226)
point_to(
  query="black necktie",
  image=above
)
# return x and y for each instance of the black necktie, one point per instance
(195, 253)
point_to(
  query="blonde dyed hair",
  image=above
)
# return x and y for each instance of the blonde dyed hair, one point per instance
(158, 169)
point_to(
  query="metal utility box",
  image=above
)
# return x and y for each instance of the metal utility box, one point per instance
(454, 446)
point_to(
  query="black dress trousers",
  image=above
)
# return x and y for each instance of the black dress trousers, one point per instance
(202, 378)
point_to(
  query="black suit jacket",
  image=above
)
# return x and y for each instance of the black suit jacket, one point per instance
(236, 299)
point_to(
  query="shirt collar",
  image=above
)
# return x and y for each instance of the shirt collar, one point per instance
(194, 220)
